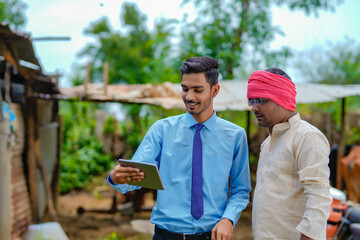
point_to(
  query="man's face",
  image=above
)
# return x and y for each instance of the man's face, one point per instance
(268, 113)
(198, 96)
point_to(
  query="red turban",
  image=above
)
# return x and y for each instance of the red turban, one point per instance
(279, 89)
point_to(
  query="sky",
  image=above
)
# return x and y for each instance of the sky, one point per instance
(57, 18)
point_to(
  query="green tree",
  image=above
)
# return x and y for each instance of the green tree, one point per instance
(12, 12)
(81, 155)
(238, 32)
(338, 63)
(135, 54)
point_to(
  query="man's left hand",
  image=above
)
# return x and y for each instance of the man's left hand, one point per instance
(223, 230)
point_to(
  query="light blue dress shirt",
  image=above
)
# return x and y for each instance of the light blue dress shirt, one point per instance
(169, 143)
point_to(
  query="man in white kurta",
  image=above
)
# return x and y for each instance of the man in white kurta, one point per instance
(292, 195)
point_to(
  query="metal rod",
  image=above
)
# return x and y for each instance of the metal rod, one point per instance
(49, 38)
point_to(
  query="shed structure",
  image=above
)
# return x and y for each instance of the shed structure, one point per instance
(29, 143)
(232, 96)
(30, 149)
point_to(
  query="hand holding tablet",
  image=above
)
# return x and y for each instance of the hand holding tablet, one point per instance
(151, 178)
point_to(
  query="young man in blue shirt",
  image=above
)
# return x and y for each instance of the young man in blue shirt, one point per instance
(170, 143)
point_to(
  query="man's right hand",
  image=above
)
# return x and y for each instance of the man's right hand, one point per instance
(122, 174)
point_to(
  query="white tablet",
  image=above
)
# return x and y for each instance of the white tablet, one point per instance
(151, 174)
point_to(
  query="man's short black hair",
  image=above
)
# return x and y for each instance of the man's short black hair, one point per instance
(207, 65)
(278, 71)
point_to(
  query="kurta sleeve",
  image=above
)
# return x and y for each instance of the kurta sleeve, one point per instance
(312, 155)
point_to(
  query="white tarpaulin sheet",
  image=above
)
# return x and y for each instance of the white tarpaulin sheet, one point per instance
(232, 95)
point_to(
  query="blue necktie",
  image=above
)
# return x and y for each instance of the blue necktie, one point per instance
(197, 205)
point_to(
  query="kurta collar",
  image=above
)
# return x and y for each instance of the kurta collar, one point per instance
(209, 124)
(286, 125)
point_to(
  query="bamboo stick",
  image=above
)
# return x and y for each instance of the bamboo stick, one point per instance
(105, 76)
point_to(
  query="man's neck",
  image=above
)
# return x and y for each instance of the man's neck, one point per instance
(286, 119)
(202, 119)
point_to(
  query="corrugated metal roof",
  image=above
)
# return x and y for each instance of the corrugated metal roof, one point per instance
(232, 95)
(17, 49)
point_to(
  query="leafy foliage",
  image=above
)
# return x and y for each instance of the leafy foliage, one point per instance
(339, 63)
(136, 54)
(110, 125)
(113, 236)
(81, 152)
(139, 120)
(238, 32)
(310, 6)
(12, 12)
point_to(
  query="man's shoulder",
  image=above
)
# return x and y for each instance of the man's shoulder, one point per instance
(171, 120)
(307, 127)
(306, 132)
(222, 123)
(304, 128)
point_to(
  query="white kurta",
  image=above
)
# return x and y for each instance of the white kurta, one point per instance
(292, 194)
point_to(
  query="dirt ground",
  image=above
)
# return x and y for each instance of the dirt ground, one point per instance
(96, 221)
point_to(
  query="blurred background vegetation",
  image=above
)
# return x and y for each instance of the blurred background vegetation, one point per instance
(237, 33)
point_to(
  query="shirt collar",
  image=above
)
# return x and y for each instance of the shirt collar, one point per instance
(286, 125)
(209, 124)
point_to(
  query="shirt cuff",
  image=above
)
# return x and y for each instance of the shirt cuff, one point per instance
(123, 188)
(110, 181)
(232, 216)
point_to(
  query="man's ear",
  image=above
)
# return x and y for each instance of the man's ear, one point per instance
(215, 90)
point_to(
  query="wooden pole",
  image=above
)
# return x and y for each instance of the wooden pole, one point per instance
(30, 116)
(7, 82)
(87, 79)
(105, 76)
(341, 147)
(56, 173)
(5, 180)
